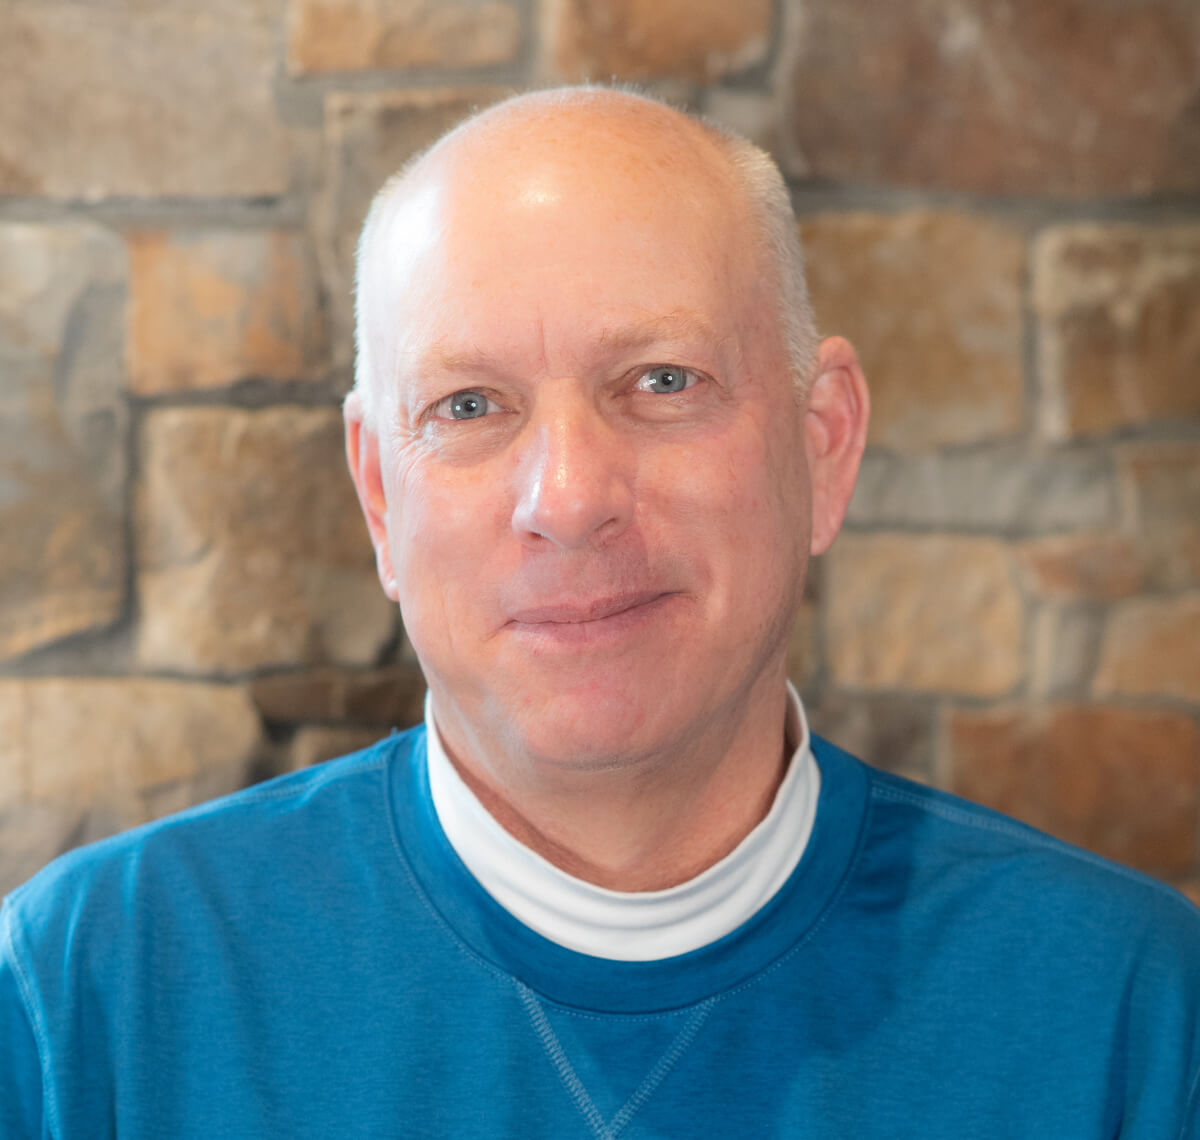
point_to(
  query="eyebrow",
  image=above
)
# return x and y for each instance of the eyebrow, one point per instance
(679, 326)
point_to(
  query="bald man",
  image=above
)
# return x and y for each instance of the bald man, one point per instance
(613, 886)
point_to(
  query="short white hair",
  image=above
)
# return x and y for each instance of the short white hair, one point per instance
(754, 172)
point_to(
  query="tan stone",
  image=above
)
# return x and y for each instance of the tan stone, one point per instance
(932, 302)
(1063, 654)
(1122, 782)
(63, 427)
(119, 741)
(923, 613)
(393, 696)
(1151, 647)
(318, 743)
(638, 39)
(1118, 310)
(251, 548)
(1160, 485)
(353, 35)
(1082, 567)
(1056, 97)
(126, 98)
(208, 308)
(803, 657)
(368, 138)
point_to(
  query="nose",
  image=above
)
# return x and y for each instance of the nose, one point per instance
(574, 478)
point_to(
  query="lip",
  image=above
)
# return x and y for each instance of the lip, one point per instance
(585, 612)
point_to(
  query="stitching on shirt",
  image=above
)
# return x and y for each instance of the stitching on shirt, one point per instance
(966, 818)
(659, 1073)
(562, 1064)
(8, 949)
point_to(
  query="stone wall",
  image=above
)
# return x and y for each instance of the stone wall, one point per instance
(1001, 203)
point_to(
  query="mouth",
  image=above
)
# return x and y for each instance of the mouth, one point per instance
(590, 619)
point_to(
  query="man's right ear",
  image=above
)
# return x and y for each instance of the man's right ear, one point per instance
(362, 454)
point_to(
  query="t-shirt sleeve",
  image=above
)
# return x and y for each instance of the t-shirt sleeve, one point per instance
(20, 1065)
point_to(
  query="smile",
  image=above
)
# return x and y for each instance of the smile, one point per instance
(591, 621)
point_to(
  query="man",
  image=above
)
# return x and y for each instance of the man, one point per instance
(613, 888)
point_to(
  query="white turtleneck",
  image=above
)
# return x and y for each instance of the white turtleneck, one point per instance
(633, 926)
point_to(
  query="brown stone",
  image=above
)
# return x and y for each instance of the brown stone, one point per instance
(932, 302)
(318, 743)
(63, 426)
(353, 35)
(1010, 488)
(1190, 889)
(1160, 485)
(139, 737)
(639, 39)
(1057, 97)
(1083, 567)
(923, 613)
(208, 308)
(125, 98)
(251, 548)
(368, 138)
(1118, 311)
(394, 696)
(1122, 782)
(1152, 648)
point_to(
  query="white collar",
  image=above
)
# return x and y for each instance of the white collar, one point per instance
(631, 926)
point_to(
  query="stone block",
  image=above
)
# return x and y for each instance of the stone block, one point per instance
(392, 697)
(932, 302)
(318, 743)
(208, 308)
(368, 137)
(1160, 498)
(642, 39)
(1009, 489)
(1118, 309)
(1122, 782)
(82, 742)
(63, 430)
(252, 552)
(125, 98)
(923, 613)
(1067, 98)
(1082, 567)
(889, 732)
(1065, 643)
(357, 35)
(1151, 648)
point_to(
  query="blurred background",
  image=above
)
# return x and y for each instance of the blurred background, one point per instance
(1001, 207)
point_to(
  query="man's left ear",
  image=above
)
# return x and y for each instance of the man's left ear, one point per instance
(837, 408)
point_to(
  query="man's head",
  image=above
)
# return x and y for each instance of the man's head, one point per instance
(593, 436)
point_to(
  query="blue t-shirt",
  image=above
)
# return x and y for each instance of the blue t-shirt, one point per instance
(309, 958)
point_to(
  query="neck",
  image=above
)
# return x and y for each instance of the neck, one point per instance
(645, 825)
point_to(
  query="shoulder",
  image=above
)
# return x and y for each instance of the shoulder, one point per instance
(953, 853)
(230, 843)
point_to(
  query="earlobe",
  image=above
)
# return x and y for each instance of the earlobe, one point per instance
(362, 455)
(836, 415)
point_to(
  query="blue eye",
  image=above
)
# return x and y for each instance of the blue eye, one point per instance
(666, 379)
(465, 405)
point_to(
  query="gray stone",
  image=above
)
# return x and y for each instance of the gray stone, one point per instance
(129, 98)
(63, 425)
(1004, 489)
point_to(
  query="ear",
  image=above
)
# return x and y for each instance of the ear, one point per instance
(362, 454)
(837, 408)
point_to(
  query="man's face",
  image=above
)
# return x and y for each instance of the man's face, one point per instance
(593, 457)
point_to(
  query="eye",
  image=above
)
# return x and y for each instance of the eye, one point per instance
(666, 379)
(464, 405)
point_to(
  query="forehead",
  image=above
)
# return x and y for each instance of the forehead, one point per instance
(588, 230)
